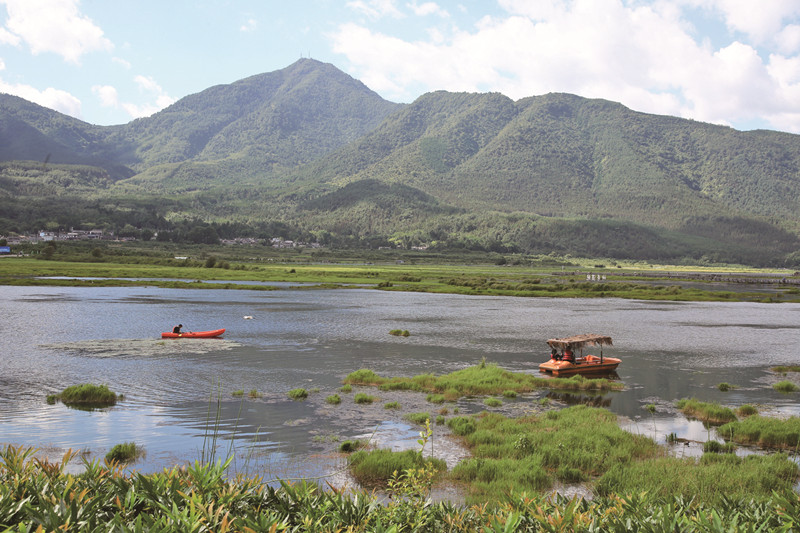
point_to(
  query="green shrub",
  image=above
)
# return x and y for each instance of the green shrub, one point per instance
(725, 387)
(298, 394)
(346, 388)
(349, 446)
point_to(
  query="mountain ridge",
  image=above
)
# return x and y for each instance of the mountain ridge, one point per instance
(300, 144)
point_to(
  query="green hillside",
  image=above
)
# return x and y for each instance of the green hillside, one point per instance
(310, 151)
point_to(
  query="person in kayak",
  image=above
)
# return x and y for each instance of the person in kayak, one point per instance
(177, 329)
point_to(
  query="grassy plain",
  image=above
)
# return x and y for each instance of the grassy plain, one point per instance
(540, 276)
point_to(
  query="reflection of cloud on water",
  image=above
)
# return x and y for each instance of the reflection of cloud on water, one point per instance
(141, 347)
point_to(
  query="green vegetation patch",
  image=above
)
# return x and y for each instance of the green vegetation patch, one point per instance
(418, 418)
(333, 399)
(785, 386)
(298, 394)
(710, 413)
(479, 380)
(124, 453)
(375, 468)
(86, 395)
(363, 398)
(528, 453)
(763, 431)
(399, 332)
(714, 479)
(785, 368)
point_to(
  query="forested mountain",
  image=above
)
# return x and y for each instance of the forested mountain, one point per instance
(313, 149)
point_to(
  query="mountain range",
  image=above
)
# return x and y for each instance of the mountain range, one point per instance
(310, 151)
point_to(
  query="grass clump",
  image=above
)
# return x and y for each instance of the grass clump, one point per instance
(346, 388)
(86, 395)
(124, 453)
(493, 402)
(710, 413)
(462, 425)
(375, 468)
(785, 368)
(391, 405)
(363, 398)
(746, 410)
(435, 398)
(725, 387)
(418, 418)
(713, 446)
(350, 446)
(238, 393)
(399, 332)
(510, 394)
(333, 399)
(763, 431)
(254, 394)
(785, 386)
(298, 394)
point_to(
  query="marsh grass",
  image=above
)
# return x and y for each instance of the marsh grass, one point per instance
(493, 402)
(709, 413)
(254, 394)
(350, 446)
(86, 395)
(785, 368)
(785, 386)
(725, 387)
(713, 446)
(376, 467)
(483, 379)
(391, 405)
(399, 332)
(714, 478)
(746, 410)
(124, 453)
(298, 394)
(528, 453)
(238, 393)
(763, 431)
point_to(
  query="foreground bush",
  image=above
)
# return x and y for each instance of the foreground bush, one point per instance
(37, 494)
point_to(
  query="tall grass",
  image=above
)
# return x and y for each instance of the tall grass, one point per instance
(375, 468)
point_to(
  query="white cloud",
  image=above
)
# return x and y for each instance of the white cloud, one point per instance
(248, 26)
(54, 26)
(2, 64)
(6, 37)
(120, 61)
(160, 99)
(376, 8)
(643, 54)
(759, 20)
(428, 8)
(53, 98)
(107, 94)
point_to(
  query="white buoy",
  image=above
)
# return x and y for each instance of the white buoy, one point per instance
(248, 317)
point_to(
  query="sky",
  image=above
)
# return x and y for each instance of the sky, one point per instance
(729, 62)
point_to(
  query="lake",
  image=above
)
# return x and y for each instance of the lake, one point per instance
(177, 392)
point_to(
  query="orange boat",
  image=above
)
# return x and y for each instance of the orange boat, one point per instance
(193, 334)
(564, 361)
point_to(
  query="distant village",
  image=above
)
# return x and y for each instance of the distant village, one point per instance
(99, 234)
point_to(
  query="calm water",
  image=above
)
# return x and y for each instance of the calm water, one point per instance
(55, 337)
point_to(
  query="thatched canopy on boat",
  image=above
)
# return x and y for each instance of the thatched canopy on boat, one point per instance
(577, 342)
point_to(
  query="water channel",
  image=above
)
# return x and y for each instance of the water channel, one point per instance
(177, 393)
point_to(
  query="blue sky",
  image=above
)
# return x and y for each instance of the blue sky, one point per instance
(732, 62)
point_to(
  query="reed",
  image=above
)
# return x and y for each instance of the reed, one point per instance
(710, 413)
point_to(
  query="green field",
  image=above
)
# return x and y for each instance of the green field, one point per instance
(482, 274)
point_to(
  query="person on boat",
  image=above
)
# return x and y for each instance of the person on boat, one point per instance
(568, 356)
(177, 329)
(554, 354)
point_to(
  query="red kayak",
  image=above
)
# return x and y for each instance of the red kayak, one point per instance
(193, 334)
